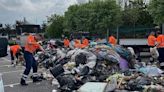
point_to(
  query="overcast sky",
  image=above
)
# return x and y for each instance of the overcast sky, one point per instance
(35, 11)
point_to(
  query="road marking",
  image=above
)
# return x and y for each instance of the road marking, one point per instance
(5, 66)
(12, 72)
(5, 59)
(9, 66)
(15, 84)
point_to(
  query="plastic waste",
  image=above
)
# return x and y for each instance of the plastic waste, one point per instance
(112, 85)
(110, 78)
(55, 82)
(151, 71)
(93, 87)
(123, 52)
(154, 52)
(54, 90)
(123, 64)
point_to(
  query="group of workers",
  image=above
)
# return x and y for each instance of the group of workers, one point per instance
(77, 43)
(157, 40)
(85, 42)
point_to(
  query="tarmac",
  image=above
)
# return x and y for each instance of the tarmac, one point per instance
(11, 78)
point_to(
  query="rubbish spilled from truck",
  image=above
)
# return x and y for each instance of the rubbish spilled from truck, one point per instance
(100, 67)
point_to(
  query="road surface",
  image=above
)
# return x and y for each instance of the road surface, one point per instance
(11, 78)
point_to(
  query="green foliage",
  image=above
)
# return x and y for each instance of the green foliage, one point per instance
(136, 14)
(130, 16)
(97, 15)
(145, 18)
(156, 8)
(55, 28)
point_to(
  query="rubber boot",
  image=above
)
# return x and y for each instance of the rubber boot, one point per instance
(23, 82)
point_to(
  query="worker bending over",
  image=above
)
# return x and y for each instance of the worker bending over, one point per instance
(15, 52)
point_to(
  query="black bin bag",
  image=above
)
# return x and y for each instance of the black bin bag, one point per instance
(57, 70)
(3, 46)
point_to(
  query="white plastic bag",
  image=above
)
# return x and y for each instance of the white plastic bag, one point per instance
(154, 52)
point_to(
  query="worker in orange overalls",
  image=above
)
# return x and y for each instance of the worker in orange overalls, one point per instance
(66, 42)
(112, 40)
(31, 46)
(151, 39)
(77, 43)
(14, 52)
(160, 46)
(85, 42)
(151, 43)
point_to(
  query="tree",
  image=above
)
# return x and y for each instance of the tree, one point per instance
(156, 9)
(95, 16)
(136, 14)
(55, 28)
(130, 16)
(43, 27)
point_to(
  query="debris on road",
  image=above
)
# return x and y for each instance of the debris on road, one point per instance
(111, 67)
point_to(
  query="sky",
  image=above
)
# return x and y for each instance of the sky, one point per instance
(35, 11)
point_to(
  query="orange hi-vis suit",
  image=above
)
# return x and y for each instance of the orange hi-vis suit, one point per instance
(66, 42)
(15, 49)
(160, 40)
(33, 46)
(151, 40)
(160, 46)
(112, 40)
(77, 43)
(85, 42)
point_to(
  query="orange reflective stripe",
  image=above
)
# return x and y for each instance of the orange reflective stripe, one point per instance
(151, 40)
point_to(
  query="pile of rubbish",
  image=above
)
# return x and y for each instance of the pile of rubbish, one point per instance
(99, 68)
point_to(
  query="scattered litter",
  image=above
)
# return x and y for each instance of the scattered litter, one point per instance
(99, 68)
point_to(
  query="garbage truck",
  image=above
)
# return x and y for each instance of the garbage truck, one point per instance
(137, 39)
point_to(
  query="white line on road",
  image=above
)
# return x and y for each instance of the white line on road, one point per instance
(5, 66)
(12, 72)
(5, 59)
(9, 66)
(15, 84)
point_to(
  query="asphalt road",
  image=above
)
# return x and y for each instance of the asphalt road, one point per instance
(11, 78)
